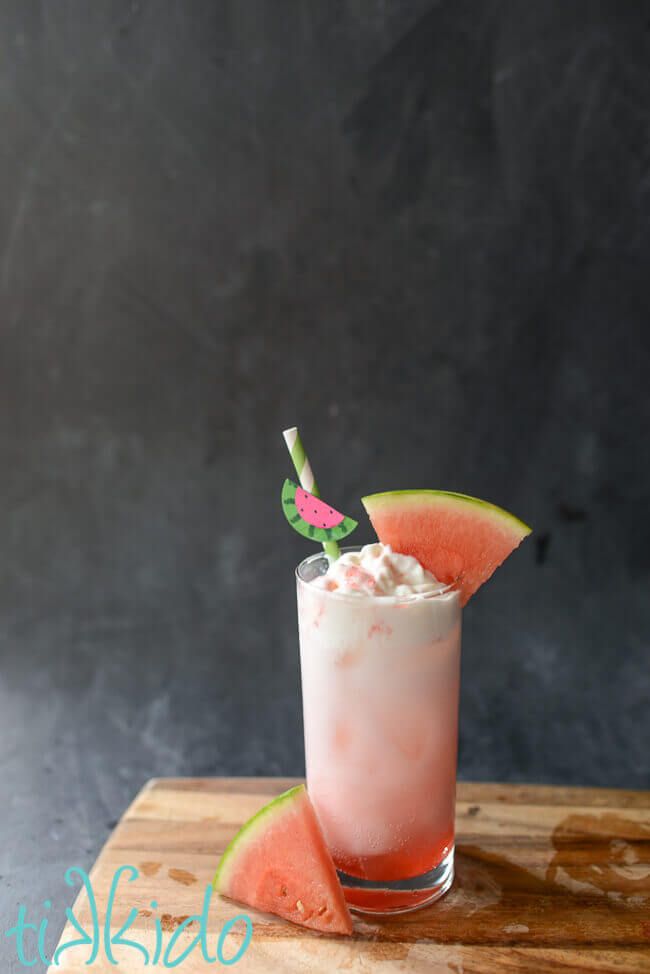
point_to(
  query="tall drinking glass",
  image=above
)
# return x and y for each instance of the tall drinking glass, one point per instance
(380, 685)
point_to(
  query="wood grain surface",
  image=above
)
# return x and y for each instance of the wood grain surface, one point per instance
(548, 879)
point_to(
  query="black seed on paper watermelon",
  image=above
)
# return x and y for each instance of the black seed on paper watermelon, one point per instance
(312, 517)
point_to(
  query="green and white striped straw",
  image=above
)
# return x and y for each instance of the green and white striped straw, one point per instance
(306, 477)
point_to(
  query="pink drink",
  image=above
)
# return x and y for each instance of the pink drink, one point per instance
(380, 683)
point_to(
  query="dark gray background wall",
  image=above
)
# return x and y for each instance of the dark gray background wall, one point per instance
(421, 232)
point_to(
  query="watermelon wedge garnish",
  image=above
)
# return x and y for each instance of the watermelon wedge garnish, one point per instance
(312, 517)
(460, 539)
(278, 862)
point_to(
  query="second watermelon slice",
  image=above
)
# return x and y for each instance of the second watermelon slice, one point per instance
(278, 862)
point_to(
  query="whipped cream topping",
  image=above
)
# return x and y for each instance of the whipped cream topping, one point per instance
(378, 571)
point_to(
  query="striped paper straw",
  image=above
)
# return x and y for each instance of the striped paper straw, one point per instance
(306, 477)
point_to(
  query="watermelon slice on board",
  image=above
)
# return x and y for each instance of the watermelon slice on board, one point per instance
(278, 862)
(460, 539)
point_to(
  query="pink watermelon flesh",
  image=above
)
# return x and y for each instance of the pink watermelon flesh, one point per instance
(278, 862)
(315, 511)
(460, 539)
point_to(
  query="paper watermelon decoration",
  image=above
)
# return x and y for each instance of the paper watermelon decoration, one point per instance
(279, 862)
(312, 517)
(460, 539)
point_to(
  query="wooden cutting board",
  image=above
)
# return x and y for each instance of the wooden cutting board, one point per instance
(548, 879)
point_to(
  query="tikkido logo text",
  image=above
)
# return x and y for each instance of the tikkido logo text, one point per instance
(30, 937)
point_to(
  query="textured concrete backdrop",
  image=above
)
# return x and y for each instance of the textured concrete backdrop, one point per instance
(421, 231)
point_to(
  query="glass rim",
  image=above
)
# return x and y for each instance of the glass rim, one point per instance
(414, 599)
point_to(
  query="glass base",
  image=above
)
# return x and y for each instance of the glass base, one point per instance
(398, 896)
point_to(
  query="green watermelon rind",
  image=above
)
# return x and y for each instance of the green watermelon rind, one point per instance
(250, 831)
(309, 531)
(388, 497)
